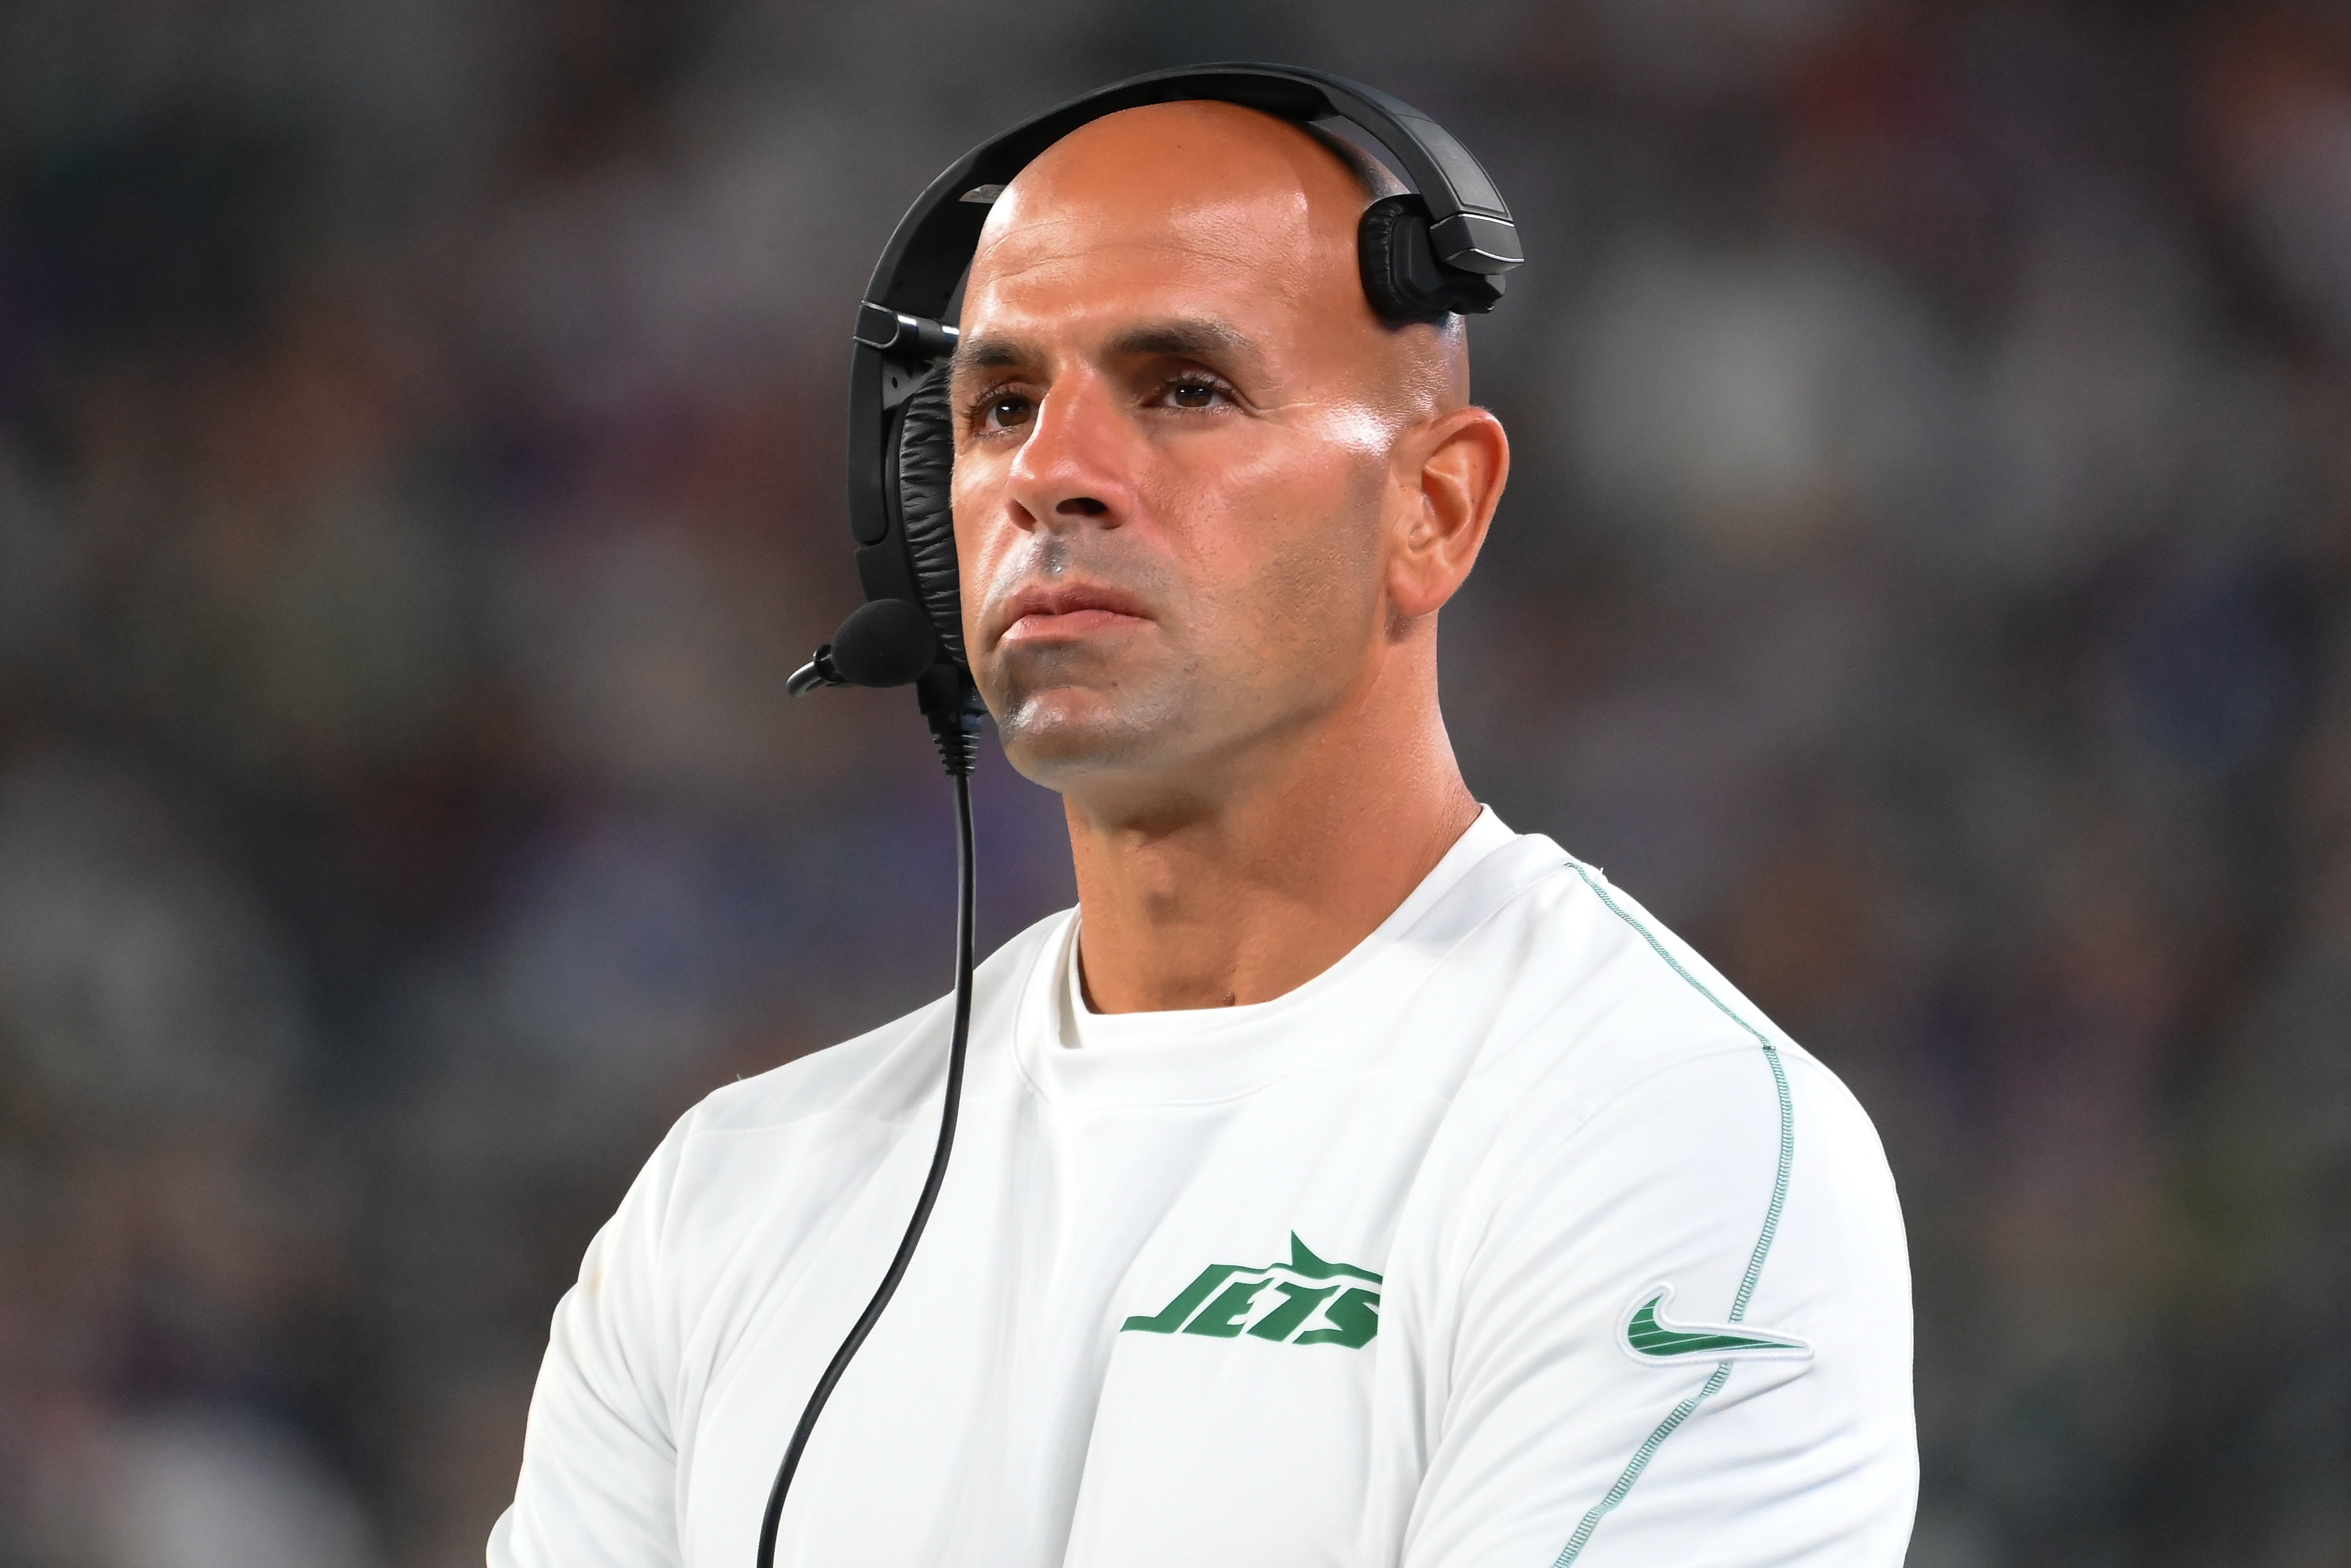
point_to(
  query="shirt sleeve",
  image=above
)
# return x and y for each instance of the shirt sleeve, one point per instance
(598, 1488)
(1682, 1337)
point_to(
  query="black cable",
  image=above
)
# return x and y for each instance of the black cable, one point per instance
(955, 1045)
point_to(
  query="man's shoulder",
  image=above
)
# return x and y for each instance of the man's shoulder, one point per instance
(1589, 988)
(1602, 1015)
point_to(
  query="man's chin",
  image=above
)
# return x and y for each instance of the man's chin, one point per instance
(1056, 736)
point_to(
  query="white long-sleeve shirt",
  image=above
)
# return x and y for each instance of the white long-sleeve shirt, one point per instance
(1516, 1238)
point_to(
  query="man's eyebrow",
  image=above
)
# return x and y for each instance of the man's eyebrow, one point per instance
(992, 354)
(1184, 337)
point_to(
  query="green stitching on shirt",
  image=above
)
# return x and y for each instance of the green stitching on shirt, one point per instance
(1713, 1385)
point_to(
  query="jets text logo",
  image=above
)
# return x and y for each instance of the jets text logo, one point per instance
(1302, 1302)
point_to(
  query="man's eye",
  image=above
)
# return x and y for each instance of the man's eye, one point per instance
(1194, 393)
(1005, 411)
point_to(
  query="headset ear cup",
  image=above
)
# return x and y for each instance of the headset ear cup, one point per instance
(1402, 277)
(922, 484)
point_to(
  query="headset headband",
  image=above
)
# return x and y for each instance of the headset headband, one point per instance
(899, 332)
(1469, 224)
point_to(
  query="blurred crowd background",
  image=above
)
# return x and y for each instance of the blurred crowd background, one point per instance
(1926, 582)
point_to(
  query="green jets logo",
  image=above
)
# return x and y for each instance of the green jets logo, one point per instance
(1302, 1302)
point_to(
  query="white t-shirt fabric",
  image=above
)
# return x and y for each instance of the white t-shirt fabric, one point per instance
(1516, 1239)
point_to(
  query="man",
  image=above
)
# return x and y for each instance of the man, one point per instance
(1349, 1180)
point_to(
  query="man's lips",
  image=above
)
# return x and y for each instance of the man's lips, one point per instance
(1037, 615)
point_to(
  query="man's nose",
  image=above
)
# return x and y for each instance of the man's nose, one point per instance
(1076, 463)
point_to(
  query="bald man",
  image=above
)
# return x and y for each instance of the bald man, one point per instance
(1347, 1180)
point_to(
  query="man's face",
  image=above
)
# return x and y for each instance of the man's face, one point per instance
(1174, 417)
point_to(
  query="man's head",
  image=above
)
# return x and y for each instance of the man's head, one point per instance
(1207, 502)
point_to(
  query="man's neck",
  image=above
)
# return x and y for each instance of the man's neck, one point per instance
(1251, 897)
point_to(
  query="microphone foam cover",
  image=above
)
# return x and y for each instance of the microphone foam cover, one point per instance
(885, 643)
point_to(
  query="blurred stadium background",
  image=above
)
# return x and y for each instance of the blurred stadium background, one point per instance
(1927, 583)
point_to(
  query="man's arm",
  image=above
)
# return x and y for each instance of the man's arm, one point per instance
(598, 1488)
(1684, 1338)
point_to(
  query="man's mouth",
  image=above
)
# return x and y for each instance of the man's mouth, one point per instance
(1063, 612)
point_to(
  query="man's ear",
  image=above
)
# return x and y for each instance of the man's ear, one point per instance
(1449, 477)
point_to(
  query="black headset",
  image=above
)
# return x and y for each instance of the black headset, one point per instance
(1440, 251)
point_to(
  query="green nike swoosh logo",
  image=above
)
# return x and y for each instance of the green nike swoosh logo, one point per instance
(1651, 1338)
